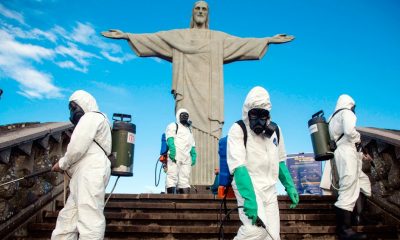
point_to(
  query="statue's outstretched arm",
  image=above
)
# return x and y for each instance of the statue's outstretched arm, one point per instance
(115, 34)
(280, 38)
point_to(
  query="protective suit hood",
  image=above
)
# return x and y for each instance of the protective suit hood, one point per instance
(85, 100)
(345, 101)
(258, 97)
(181, 110)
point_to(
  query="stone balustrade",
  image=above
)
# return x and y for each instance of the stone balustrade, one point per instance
(383, 167)
(25, 149)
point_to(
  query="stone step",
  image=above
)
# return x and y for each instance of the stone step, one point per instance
(196, 216)
(211, 207)
(118, 231)
(207, 197)
(209, 219)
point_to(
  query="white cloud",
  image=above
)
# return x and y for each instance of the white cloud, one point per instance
(9, 46)
(71, 50)
(118, 91)
(71, 65)
(124, 58)
(60, 31)
(12, 14)
(17, 58)
(30, 94)
(28, 34)
(86, 34)
(34, 84)
(83, 33)
(15, 63)
(48, 35)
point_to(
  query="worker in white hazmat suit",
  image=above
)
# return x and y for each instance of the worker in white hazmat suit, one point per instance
(348, 160)
(181, 153)
(256, 165)
(86, 162)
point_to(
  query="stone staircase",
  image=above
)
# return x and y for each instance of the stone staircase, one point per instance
(28, 210)
(196, 216)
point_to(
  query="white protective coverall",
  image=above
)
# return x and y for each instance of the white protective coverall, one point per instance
(326, 178)
(178, 173)
(348, 160)
(261, 156)
(89, 168)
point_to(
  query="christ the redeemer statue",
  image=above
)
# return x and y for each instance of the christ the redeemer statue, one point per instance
(198, 55)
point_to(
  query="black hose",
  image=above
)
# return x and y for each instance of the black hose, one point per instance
(259, 223)
(157, 182)
(220, 212)
(222, 222)
(38, 173)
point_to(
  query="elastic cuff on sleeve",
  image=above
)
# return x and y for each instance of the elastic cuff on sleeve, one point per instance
(63, 163)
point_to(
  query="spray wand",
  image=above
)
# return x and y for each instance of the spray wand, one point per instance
(27, 176)
(259, 223)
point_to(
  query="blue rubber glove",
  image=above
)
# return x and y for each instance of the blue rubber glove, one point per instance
(172, 149)
(287, 182)
(246, 190)
(193, 154)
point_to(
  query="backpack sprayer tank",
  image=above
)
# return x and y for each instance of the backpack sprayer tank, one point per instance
(320, 138)
(225, 178)
(123, 144)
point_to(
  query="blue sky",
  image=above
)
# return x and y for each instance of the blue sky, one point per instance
(50, 48)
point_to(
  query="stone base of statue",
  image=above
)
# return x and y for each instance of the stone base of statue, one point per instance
(207, 158)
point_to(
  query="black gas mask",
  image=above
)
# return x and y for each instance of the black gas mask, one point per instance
(353, 109)
(258, 119)
(184, 119)
(75, 112)
(270, 129)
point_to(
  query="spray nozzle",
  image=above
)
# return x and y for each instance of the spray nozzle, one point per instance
(260, 223)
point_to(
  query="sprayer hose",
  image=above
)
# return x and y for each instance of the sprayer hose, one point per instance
(112, 190)
(157, 182)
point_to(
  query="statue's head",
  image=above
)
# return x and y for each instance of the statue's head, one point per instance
(199, 15)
